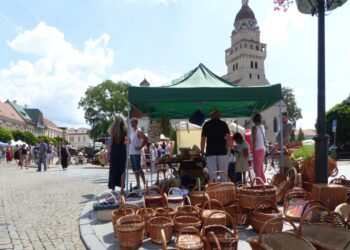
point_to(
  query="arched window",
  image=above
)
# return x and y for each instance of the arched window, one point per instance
(251, 64)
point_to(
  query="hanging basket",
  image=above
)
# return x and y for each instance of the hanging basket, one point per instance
(130, 232)
(227, 238)
(265, 211)
(225, 192)
(275, 240)
(250, 196)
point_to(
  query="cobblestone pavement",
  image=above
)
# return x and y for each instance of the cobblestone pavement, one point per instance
(41, 210)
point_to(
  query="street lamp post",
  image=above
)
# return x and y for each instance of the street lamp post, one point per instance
(319, 7)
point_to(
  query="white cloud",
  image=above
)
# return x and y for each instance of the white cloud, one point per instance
(280, 25)
(55, 82)
(136, 75)
(299, 91)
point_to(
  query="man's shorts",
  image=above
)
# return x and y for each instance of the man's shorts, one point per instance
(135, 161)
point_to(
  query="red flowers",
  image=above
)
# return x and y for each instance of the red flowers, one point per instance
(282, 4)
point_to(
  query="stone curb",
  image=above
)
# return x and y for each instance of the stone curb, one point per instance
(87, 234)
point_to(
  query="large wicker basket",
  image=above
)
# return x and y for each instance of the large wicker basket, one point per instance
(175, 198)
(130, 232)
(225, 192)
(323, 234)
(341, 180)
(121, 211)
(227, 238)
(146, 214)
(280, 240)
(197, 196)
(205, 212)
(251, 196)
(265, 211)
(181, 222)
(155, 225)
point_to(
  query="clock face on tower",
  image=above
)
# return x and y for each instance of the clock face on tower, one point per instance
(251, 25)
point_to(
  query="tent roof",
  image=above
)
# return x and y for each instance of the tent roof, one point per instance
(201, 89)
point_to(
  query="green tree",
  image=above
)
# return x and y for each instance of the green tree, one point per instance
(29, 138)
(5, 135)
(18, 135)
(301, 135)
(101, 103)
(294, 112)
(341, 113)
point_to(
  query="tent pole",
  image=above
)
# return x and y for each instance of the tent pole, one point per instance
(127, 152)
(281, 140)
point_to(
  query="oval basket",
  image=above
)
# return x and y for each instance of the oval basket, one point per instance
(156, 224)
(265, 211)
(225, 192)
(294, 203)
(130, 231)
(205, 212)
(251, 196)
(188, 210)
(146, 214)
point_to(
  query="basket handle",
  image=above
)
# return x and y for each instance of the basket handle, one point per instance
(175, 189)
(133, 193)
(165, 200)
(188, 228)
(200, 188)
(258, 178)
(209, 202)
(319, 207)
(164, 244)
(216, 173)
(131, 205)
(273, 219)
(186, 208)
(147, 211)
(212, 234)
(153, 187)
(228, 216)
(266, 203)
(98, 197)
(294, 171)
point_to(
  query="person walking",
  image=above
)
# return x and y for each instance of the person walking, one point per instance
(64, 155)
(42, 154)
(24, 156)
(8, 155)
(117, 157)
(215, 136)
(258, 147)
(137, 141)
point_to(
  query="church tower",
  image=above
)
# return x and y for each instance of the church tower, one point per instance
(246, 57)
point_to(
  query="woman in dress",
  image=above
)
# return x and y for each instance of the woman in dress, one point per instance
(64, 155)
(117, 160)
(258, 147)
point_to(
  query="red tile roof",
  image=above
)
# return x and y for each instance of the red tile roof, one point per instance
(49, 123)
(9, 113)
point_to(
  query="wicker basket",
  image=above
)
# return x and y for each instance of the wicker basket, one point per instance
(322, 233)
(189, 239)
(225, 192)
(146, 214)
(330, 195)
(153, 197)
(130, 231)
(250, 196)
(275, 240)
(155, 225)
(134, 198)
(165, 211)
(121, 211)
(175, 198)
(265, 211)
(227, 238)
(294, 203)
(205, 212)
(307, 168)
(188, 210)
(181, 222)
(341, 180)
(197, 196)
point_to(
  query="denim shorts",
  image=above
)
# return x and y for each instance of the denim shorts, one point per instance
(135, 161)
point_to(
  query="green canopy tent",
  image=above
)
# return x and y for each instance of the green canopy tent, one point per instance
(202, 89)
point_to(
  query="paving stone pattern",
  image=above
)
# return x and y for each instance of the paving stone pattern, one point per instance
(41, 210)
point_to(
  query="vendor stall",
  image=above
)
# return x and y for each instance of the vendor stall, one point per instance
(200, 90)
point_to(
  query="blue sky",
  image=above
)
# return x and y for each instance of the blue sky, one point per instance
(51, 51)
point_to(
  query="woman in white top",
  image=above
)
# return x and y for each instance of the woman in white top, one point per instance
(258, 147)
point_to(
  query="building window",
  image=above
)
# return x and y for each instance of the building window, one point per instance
(258, 76)
(251, 64)
(245, 45)
(78, 138)
(235, 48)
(84, 139)
(251, 46)
(275, 124)
(240, 46)
(71, 139)
(236, 65)
(250, 75)
(256, 65)
(257, 47)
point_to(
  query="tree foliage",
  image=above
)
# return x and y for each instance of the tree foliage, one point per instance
(101, 103)
(5, 135)
(341, 113)
(26, 136)
(301, 135)
(294, 112)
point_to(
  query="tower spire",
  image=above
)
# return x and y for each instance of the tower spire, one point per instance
(245, 2)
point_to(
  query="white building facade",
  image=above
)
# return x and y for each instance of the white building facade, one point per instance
(79, 138)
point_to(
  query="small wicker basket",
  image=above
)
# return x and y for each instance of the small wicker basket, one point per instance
(175, 198)
(153, 197)
(156, 224)
(189, 239)
(197, 196)
(181, 222)
(146, 214)
(130, 231)
(188, 210)
(294, 203)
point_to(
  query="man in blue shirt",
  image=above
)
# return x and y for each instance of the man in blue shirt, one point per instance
(42, 154)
